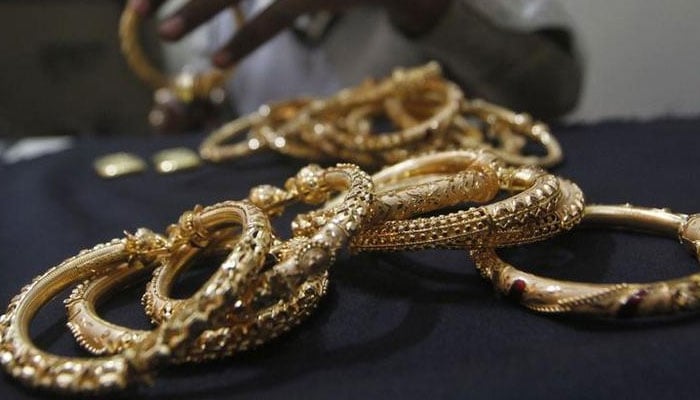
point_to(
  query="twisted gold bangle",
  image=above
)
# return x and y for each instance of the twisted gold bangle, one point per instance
(614, 299)
(34, 367)
(545, 206)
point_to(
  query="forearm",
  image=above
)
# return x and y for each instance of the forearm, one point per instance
(528, 71)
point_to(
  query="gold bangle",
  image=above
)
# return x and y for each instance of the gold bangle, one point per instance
(34, 367)
(603, 299)
(198, 86)
(208, 229)
(315, 124)
(505, 132)
(358, 121)
(262, 127)
(545, 206)
(506, 127)
(409, 135)
(311, 185)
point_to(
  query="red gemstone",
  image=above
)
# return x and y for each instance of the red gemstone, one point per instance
(629, 308)
(517, 288)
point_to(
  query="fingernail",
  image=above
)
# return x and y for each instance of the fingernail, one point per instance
(222, 59)
(171, 28)
(140, 6)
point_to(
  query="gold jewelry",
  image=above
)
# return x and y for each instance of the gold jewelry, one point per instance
(480, 124)
(545, 206)
(418, 131)
(289, 295)
(118, 164)
(187, 87)
(511, 129)
(298, 127)
(99, 336)
(34, 367)
(603, 299)
(177, 159)
(312, 185)
(262, 127)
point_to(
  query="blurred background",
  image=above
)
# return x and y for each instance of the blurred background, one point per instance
(62, 72)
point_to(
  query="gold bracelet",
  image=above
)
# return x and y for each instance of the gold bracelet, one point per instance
(281, 126)
(603, 299)
(32, 366)
(480, 124)
(187, 88)
(262, 127)
(545, 206)
(422, 132)
(416, 132)
(209, 229)
(285, 302)
(312, 185)
(511, 130)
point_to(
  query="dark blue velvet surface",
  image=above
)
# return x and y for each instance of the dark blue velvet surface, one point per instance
(419, 325)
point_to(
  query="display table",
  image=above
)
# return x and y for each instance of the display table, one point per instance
(401, 325)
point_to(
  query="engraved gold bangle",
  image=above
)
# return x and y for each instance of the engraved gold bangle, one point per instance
(202, 226)
(201, 84)
(603, 299)
(21, 359)
(312, 185)
(544, 206)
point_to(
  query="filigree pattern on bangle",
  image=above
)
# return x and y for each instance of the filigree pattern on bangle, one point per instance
(602, 299)
(533, 214)
(311, 185)
(34, 367)
(197, 231)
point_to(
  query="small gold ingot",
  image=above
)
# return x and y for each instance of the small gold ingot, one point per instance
(119, 164)
(177, 159)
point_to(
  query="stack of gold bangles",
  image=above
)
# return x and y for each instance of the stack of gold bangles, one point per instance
(267, 284)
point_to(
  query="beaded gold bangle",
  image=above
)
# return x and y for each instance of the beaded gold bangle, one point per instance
(609, 300)
(545, 206)
(24, 361)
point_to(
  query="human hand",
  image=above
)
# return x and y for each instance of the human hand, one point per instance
(411, 16)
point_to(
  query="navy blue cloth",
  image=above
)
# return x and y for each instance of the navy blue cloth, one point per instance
(404, 325)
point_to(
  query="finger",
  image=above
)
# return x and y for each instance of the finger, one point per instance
(145, 8)
(260, 29)
(190, 16)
